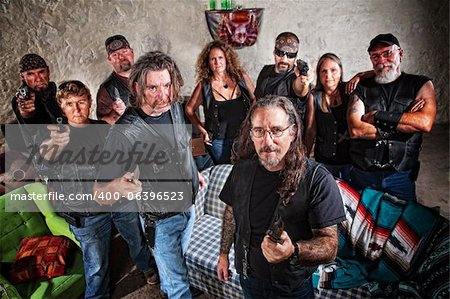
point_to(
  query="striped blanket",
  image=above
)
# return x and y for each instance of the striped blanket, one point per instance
(381, 240)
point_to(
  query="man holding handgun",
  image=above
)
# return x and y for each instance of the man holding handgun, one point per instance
(282, 208)
(285, 78)
(35, 100)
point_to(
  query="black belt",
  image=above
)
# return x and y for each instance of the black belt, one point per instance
(161, 216)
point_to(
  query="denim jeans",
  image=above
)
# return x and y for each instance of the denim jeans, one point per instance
(220, 150)
(95, 236)
(340, 171)
(171, 242)
(204, 161)
(256, 288)
(395, 183)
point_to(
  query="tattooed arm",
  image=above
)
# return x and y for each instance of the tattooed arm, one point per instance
(359, 122)
(228, 228)
(322, 248)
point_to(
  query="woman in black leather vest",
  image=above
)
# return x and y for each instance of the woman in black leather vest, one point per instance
(226, 93)
(326, 122)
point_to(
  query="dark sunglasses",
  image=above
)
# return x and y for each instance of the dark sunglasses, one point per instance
(289, 55)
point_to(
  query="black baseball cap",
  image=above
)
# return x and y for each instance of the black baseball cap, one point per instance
(116, 42)
(386, 38)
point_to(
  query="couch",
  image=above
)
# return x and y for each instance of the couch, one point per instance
(17, 225)
(203, 250)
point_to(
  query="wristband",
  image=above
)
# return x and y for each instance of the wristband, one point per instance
(387, 121)
(294, 257)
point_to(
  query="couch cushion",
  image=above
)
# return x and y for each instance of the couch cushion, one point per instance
(41, 257)
(201, 259)
(70, 285)
(217, 178)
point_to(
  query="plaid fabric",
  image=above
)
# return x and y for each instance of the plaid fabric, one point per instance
(201, 259)
(217, 178)
(40, 257)
(354, 293)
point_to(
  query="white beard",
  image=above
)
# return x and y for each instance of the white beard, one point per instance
(389, 76)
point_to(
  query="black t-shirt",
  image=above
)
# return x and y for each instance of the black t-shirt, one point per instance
(163, 123)
(316, 204)
(271, 82)
(263, 202)
(231, 115)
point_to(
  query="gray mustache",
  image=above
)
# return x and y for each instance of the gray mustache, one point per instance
(268, 149)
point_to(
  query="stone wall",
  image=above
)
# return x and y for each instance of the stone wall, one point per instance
(70, 35)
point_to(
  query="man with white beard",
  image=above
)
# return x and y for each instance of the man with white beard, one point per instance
(387, 116)
(112, 96)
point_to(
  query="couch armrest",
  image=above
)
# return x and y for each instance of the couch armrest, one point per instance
(56, 224)
(7, 290)
(201, 196)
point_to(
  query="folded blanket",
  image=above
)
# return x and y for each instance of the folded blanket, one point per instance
(381, 240)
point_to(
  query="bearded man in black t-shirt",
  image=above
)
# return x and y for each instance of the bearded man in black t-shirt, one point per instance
(282, 208)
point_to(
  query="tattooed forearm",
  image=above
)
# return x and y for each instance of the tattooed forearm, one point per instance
(228, 227)
(322, 248)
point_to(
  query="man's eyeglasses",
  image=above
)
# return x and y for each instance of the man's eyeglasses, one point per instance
(274, 132)
(289, 55)
(385, 54)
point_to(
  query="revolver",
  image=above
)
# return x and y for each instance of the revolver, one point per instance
(276, 229)
(303, 67)
(24, 92)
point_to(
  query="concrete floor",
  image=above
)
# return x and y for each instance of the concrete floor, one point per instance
(432, 191)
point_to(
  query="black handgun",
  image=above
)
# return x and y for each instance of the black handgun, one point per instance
(303, 67)
(276, 229)
(24, 92)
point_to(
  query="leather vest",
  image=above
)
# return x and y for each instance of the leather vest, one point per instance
(400, 151)
(331, 144)
(281, 86)
(286, 275)
(211, 109)
(115, 88)
(139, 132)
(79, 178)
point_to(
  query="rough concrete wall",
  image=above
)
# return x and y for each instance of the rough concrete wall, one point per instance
(70, 35)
